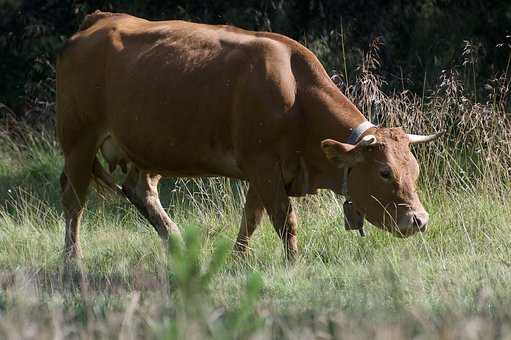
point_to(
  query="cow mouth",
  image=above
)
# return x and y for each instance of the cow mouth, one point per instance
(401, 230)
(403, 233)
(403, 221)
(408, 222)
(407, 230)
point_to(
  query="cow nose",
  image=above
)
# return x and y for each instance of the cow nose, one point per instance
(421, 221)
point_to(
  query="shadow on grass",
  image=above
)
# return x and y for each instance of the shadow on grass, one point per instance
(34, 170)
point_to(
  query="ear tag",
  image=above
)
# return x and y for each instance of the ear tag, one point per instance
(352, 218)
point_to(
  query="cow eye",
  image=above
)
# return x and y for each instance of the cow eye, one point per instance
(385, 174)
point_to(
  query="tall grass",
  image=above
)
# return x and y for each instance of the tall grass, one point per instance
(475, 152)
(451, 282)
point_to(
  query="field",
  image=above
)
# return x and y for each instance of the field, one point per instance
(402, 63)
(451, 282)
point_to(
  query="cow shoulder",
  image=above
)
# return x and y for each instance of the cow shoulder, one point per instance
(270, 67)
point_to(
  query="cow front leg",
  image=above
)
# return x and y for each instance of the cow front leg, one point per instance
(141, 189)
(252, 215)
(272, 192)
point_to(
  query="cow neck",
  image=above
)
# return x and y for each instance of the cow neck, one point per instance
(353, 139)
(333, 115)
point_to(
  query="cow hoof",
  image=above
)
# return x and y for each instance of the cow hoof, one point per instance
(73, 275)
(241, 252)
(291, 257)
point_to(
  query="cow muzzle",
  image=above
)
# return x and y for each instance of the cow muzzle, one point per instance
(412, 222)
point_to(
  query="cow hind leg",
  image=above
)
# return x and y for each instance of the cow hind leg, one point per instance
(141, 189)
(252, 215)
(75, 182)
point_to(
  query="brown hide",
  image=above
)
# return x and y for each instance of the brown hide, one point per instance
(189, 99)
(184, 99)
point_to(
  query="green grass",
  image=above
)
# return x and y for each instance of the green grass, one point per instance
(451, 281)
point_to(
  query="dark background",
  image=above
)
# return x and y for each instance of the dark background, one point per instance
(417, 39)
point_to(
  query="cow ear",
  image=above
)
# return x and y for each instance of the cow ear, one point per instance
(341, 154)
(344, 154)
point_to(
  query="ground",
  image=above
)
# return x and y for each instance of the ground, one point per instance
(450, 282)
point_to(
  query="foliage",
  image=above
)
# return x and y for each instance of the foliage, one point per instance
(191, 281)
(417, 37)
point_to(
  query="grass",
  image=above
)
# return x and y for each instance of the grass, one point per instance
(451, 282)
(452, 279)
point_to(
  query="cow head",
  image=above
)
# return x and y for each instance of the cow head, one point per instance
(382, 176)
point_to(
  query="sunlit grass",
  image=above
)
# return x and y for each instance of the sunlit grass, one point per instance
(451, 282)
(460, 267)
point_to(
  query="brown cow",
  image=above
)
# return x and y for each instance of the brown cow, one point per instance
(174, 98)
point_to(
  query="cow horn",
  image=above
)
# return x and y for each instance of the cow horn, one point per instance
(368, 140)
(417, 139)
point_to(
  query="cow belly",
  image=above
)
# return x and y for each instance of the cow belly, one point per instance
(177, 158)
(172, 135)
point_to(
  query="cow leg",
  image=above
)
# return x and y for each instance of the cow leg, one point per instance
(271, 190)
(141, 189)
(252, 215)
(75, 182)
